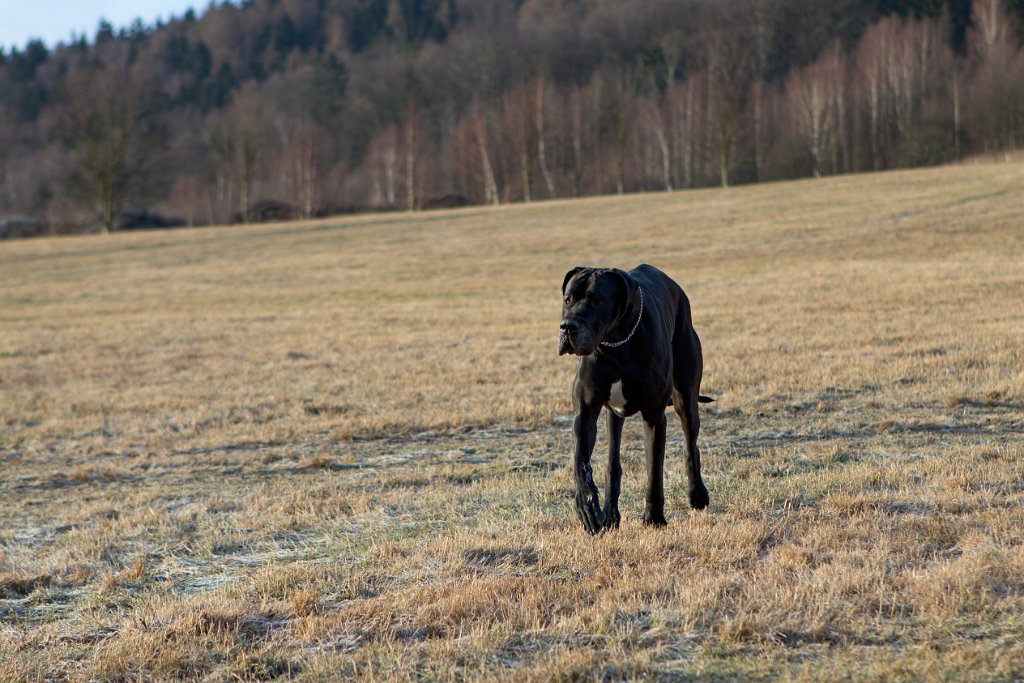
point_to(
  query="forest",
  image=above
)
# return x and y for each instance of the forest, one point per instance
(282, 109)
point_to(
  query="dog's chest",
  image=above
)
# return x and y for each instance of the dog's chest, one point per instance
(617, 400)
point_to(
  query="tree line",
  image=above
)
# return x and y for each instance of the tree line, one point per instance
(300, 108)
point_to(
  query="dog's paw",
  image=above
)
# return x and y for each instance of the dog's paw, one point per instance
(699, 497)
(589, 511)
(611, 519)
(655, 520)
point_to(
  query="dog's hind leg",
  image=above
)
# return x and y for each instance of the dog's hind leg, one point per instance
(654, 446)
(687, 411)
(686, 375)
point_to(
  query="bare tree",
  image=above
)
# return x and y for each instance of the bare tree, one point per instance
(298, 162)
(538, 119)
(875, 55)
(989, 35)
(761, 30)
(383, 159)
(236, 143)
(729, 73)
(110, 128)
(305, 167)
(410, 142)
(6, 142)
(997, 78)
(956, 86)
(814, 97)
(519, 129)
(187, 193)
(620, 86)
(298, 110)
(577, 101)
(687, 107)
(654, 117)
(476, 155)
(673, 45)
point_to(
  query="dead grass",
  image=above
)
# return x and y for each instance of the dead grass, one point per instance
(339, 449)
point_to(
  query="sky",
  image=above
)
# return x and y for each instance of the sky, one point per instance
(55, 20)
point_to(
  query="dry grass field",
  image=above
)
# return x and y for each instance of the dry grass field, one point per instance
(341, 449)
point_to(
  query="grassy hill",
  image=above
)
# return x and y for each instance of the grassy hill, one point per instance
(342, 447)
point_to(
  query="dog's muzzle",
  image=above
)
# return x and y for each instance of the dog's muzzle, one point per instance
(572, 338)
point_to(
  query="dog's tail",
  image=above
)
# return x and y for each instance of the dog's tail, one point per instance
(700, 399)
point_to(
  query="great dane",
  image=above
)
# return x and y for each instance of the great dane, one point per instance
(638, 353)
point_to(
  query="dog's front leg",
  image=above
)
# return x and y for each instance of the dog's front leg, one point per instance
(588, 505)
(613, 478)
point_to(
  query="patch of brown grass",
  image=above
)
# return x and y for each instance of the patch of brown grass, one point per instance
(339, 449)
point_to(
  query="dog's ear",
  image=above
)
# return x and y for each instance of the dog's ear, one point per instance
(568, 276)
(628, 288)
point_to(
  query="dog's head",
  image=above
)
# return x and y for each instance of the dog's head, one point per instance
(593, 301)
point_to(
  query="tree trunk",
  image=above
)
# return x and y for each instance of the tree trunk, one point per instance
(666, 156)
(873, 106)
(956, 117)
(524, 172)
(245, 182)
(620, 148)
(759, 131)
(549, 182)
(724, 150)
(689, 133)
(389, 160)
(410, 160)
(106, 209)
(490, 186)
(577, 143)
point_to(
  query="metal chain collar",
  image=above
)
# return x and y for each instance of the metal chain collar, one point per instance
(633, 331)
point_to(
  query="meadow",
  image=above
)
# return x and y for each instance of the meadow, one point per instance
(341, 448)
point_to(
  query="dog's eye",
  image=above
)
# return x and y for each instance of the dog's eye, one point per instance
(566, 301)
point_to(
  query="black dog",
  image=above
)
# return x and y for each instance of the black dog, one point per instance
(639, 353)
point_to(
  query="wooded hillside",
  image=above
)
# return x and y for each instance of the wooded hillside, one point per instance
(297, 108)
